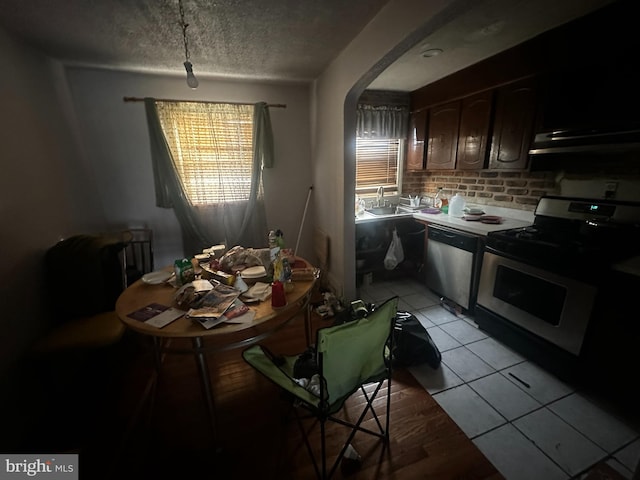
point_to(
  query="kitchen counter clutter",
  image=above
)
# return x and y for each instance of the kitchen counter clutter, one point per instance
(511, 218)
(474, 227)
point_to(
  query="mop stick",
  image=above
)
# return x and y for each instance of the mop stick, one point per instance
(304, 214)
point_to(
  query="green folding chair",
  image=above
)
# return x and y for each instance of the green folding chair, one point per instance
(349, 356)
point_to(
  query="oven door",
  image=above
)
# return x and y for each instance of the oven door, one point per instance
(551, 306)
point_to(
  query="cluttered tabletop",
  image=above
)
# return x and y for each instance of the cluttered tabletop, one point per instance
(242, 289)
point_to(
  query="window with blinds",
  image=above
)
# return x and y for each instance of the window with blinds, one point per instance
(212, 148)
(377, 162)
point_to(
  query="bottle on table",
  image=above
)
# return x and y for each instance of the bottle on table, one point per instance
(441, 201)
(457, 205)
(272, 239)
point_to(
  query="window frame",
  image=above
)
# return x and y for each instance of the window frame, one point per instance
(392, 189)
(205, 162)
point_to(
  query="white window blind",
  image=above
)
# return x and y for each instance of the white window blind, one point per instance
(377, 163)
(212, 148)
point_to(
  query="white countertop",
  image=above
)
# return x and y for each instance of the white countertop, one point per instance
(369, 218)
(476, 227)
(512, 218)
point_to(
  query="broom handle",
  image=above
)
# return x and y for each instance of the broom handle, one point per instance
(304, 214)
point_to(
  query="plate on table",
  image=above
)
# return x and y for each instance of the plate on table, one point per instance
(490, 219)
(253, 273)
(431, 210)
(473, 211)
(202, 257)
(157, 277)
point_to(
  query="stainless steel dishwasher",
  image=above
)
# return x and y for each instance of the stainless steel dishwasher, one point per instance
(451, 264)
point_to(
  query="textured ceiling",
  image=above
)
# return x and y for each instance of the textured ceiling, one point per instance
(262, 39)
(291, 40)
(488, 28)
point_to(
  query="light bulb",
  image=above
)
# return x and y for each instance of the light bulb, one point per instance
(192, 81)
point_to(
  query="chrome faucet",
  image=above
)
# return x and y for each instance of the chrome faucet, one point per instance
(380, 195)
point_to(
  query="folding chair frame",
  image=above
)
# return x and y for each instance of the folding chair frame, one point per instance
(324, 411)
(322, 416)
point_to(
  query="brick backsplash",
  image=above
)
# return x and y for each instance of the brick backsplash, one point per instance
(519, 189)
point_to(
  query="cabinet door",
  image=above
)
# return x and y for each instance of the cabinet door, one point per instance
(513, 126)
(443, 136)
(474, 131)
(415, 141)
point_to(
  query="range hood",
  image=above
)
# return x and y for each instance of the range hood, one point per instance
(586, 141)
(591, 110)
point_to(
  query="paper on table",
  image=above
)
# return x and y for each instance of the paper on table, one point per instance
(165, 318)
(156, 314)
(236, 313)
(202, 285)
(244, 318)
(214, 303)
(210, 322)
(145, 313)
(258, 291)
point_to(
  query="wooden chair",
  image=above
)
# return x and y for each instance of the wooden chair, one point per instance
(78, 359)
(138, 253)
(84, 277)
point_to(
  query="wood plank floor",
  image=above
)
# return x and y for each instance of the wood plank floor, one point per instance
(257, 436)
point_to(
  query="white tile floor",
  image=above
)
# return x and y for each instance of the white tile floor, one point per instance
(528, 423)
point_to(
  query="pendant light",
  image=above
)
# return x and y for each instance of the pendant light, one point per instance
(192, 81)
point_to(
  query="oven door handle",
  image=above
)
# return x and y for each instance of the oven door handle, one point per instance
(501, 253)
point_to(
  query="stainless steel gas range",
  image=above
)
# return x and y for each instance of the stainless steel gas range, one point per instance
(551, 290)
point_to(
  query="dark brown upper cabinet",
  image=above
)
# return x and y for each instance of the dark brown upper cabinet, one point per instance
(444, 122)
(415, 141)
(475, 119)
(513, 125)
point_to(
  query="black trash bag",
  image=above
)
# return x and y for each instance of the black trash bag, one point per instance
(412, 344)
(306, 365)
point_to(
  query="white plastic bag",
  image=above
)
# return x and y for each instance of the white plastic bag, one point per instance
(395, 254)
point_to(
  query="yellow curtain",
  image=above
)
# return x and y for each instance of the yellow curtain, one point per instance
(208, 167)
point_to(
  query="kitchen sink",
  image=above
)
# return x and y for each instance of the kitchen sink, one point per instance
(381, 210)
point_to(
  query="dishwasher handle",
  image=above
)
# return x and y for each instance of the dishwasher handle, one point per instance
(454, 238)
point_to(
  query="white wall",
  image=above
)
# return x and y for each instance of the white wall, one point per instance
(398, 26)
(42, 193)
(76, 160)
(627, 188)
(116, 144)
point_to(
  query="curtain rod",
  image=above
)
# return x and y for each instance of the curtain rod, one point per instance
(138, 99)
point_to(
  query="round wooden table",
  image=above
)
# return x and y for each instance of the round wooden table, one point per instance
(225, 336)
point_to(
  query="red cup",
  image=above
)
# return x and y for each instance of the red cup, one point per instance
(277, 294)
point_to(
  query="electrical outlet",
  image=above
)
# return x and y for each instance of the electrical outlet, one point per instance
(610, 189)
